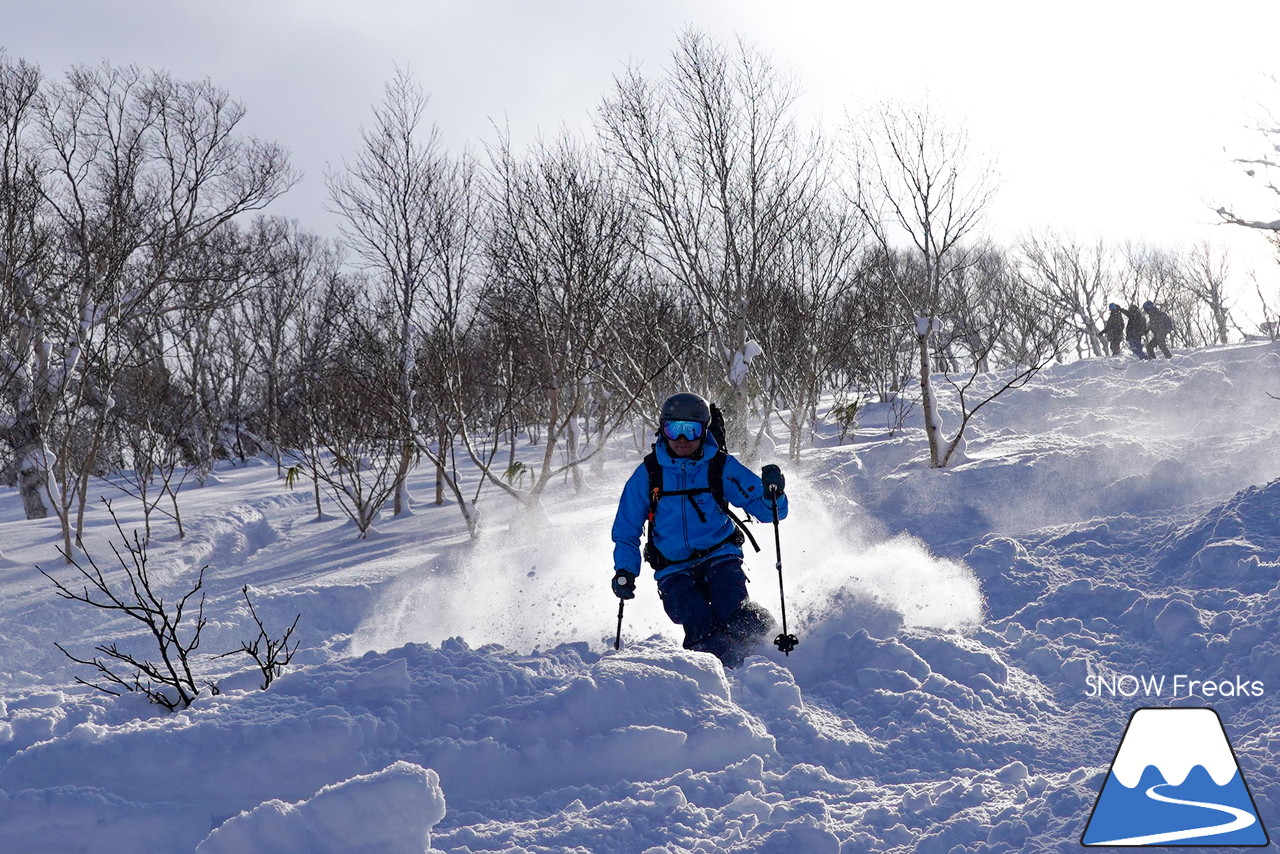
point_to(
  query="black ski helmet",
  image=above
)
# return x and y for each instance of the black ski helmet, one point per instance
(686, 406)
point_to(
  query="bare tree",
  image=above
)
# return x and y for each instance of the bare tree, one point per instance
(135, 170)
(562, 252)
(886, 352)
(1074, 277)
(1270, 325)
(915, 181)
(1000, 335)
(149, 434)
(24, 239)
(384, 197)
(807, 334)
(1263, 166)
(356, 413)
(411, 215)
(207, 347)
(294, 265)
(1204, 272)
(456, 240)
(1157, 273)
(723, 176)
(656, 339)
(324, 329)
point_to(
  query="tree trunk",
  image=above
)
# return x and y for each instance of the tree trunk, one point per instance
(932, 429)
(573, 439)
(549, 449)
(82, 481)
(177, 516)
(33, 477)
(469, 514)
(401, 500)
(440, 472)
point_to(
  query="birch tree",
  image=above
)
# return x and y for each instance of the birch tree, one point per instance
(383, 199)
(887, 353)
(357, 414)
(1073, 276)
(411, 217)
(294, 266)
(1262, 165)
(723, 176)
(562, 253)
(25, 286)
(456, 242)
(916, 182)
(1008, 330)
(1204, 272)
(136, 169)
(1151, 272)
(803, 316)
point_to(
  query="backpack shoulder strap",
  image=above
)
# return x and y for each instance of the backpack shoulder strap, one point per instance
(715, 478)
(715, 481)
(654, 468)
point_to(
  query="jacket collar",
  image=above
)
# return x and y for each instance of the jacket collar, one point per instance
(706, 452)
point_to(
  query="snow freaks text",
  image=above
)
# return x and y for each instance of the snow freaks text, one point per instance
(1176, 686)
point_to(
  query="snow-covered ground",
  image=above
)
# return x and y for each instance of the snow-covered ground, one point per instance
(1115, 522)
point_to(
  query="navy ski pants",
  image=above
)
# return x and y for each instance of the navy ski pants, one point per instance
(705, 598)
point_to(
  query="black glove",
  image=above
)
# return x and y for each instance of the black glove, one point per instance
(624, 584)
(774, 482)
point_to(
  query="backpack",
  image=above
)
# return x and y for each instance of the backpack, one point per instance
(715, 486)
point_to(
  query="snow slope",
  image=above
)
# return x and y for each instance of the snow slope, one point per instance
(1115, 522)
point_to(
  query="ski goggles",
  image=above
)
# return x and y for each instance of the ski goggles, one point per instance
(691, 430)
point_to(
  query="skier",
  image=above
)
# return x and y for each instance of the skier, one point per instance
(695, 542)
(1113, 330)
(1161, 325)
(1135, 330)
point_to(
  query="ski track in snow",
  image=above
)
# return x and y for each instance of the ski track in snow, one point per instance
(1112, 517)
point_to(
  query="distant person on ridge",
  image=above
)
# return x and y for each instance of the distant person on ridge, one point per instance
(1113, 329)
(683, 490)
(1161, 325)
(1135, 330)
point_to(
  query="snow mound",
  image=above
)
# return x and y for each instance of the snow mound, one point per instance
(388, 812)
(1236, 543)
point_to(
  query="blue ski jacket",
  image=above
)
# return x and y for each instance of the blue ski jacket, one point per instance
(679, 528)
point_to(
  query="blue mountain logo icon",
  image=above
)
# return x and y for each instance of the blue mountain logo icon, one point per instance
(1175, 781)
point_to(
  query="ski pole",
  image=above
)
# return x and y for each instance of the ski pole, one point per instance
(617, 641)
(785, 642)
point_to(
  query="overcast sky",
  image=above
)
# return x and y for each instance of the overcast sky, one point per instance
(1101, 119)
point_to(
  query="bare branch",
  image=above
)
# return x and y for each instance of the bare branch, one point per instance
(169, 683)
(270, 654)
